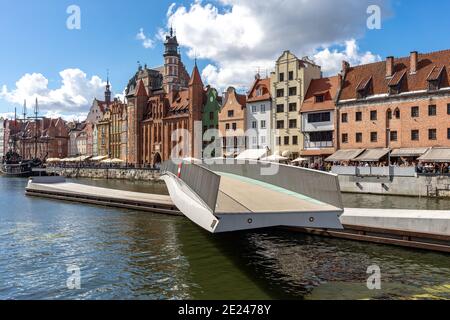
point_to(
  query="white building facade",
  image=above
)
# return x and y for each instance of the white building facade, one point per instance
(259, 115)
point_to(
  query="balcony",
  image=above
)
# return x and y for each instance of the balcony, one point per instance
(318, 144)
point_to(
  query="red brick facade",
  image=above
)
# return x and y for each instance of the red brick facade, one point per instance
(398, 103)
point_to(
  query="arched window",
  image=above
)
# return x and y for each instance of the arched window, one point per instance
(397, 113)
(389, 114)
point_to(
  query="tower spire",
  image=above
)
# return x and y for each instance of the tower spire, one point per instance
(24, 109)
(108, 89)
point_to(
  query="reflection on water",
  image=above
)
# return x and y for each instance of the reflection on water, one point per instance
(132, 255)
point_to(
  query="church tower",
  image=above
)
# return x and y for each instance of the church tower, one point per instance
(108, 92)
(172, 62)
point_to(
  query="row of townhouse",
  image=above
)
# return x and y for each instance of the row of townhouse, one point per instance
(397, 108)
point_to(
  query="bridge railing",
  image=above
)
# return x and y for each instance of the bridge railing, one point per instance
(317, 185)
(199, 179)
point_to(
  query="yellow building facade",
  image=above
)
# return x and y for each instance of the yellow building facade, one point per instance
(289, 84)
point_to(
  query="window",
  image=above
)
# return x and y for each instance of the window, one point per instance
(344, 118)
(292, 107)
(292, 124)
(263, 124)
(255, 141)
(358, 137)
(227, 126)
(432, 110)
(448, 133)
(230, 113)
(389, 114)
(320, 98)
(415, 135)
(263, 139)
(281, 76)
(280, 124)
(345, 138)
(286, 140)
(280, 108)
(448, 109)
(358, 116)
(295, 140)
(278, 142)
(393, 136)
(414, 112)
(319, 117)
(293, 91)
(373, 115)
(373, 137)
(253, 109)
(211, 116)
(263, 108)
(234, 126)
(432, 134)
(397, 113)
(254, 125)
(291, 75)
(280, 93)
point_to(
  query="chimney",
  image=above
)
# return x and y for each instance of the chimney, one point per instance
(389, 66)
(345, 66)
(413, 62)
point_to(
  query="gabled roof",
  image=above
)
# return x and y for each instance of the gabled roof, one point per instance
(328, 87)
(196, 78)
(428, 67)
(253, 93)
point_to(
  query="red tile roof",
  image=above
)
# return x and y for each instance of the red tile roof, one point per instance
(327, 87)
(263, 84)
(428, 68)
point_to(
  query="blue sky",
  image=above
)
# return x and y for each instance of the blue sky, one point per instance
(35, 40)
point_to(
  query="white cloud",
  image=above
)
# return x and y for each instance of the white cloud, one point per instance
(331, 60)
(74, 96)
(240, 36)
(147, 43)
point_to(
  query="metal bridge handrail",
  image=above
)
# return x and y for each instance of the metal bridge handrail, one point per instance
(318, 185)
(199, 179)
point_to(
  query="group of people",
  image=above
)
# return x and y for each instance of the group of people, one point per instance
(420, 167)
(433, 168)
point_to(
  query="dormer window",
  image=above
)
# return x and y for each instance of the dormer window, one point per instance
(396, 82)
(364, 88)
(434, 78)
(320, 98)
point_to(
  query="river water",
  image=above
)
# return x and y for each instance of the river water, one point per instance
(124, 254)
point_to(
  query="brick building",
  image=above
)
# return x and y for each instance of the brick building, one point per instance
(42, 138)
(160, 101)
(396, 104)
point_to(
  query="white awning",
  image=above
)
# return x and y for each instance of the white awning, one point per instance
(99, 158)
(252, 154)
(436, 155)
(344, 155)
(275, 158)
(300, 160)
(409, 152)
(372, 155)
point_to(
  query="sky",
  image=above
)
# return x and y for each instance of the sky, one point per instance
(65, 68)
